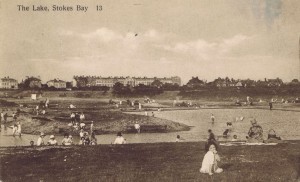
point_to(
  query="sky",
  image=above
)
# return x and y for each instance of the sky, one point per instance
(242, 39)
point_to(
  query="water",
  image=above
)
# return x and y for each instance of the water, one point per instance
(285, 123)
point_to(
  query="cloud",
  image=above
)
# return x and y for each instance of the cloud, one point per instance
(206, 50)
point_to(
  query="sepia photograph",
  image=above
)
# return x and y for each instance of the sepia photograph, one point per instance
(139, 90)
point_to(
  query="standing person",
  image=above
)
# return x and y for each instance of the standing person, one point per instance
(14, 129)
(271, 105)
(212, 118)
(120, 139)
(137, 127)
(19, 129)
(2, 116)
(52, 141)
(82, 125)
(92, 126)
(40, 141)
(86, 139)
(72, 116)
(5, 117)
(210, 161)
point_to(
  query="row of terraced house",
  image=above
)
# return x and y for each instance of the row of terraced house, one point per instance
(90, 81)
(85, 81)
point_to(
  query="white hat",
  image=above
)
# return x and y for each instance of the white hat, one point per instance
(52, 136)
(42, 134)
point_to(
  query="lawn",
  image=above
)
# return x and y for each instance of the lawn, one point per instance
(149, 162)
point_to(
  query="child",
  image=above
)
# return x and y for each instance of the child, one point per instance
(210, 161)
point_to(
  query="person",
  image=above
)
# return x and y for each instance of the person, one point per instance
(210, 161)
(82, 117)
(137, 127)
(234, 138)
(82, 125)
(43, 112)
(271, 105)
(210, 140)
(92, 126)
(93, 139)
(5, 117)
(120, 139)
(47, 103)
(225, 133)
(178, 138)
(76, 126)
(81, 133)
(72, 116)
(72, 106)
(86, 139)
(14, 129)
(40, 141)
(67, 140)
(272, 135)
(146, 113)
(19, 130)
(255, 133)
(229, 126)
(14, 116)
(52, 141)
(212, 118)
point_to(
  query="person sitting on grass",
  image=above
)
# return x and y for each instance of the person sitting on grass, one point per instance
(120, 139)
(52, 141)
(272, 135)
(93, 139)
(67, 140)
(86, 139)
(210, 161)
(255, 133)
(40, 141)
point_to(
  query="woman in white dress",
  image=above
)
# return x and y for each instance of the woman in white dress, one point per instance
(210, 161)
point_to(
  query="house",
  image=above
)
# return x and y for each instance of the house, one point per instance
(57, 83)
(8, 83)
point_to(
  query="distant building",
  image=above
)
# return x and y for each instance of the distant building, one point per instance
(82, 81)
(57, 83)
(8, 83)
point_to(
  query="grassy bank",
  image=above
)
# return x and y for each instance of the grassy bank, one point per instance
(149, 162)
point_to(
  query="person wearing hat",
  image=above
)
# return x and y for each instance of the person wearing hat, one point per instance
(40, 141)
(52, 141)
(255, 133)
(67, 140)
(120, 139)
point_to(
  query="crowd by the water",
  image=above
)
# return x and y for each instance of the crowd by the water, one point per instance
(79, 125)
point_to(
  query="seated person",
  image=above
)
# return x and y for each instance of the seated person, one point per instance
(255, 133)
(67, 140)
(272, 135)
(52, 141)
(210, 161)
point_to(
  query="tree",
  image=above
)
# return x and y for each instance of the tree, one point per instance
(195, 82)
(157, 83)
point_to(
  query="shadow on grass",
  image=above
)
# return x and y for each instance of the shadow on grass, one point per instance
(226, 166)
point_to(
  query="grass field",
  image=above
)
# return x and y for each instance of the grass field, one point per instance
(150, 162)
